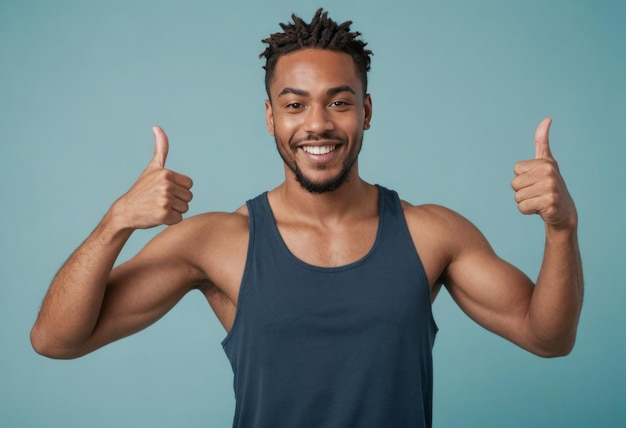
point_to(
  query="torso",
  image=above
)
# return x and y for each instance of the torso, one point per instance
(220, 251)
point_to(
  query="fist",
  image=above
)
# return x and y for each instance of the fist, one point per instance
(539, 187)
(159, 196)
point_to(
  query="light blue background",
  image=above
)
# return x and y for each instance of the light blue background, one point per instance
(458, 89)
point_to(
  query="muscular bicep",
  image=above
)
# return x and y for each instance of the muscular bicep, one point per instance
(142, 290)
(455, 253)
(488, 289)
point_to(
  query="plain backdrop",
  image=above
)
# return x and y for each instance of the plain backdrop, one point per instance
(458, 88)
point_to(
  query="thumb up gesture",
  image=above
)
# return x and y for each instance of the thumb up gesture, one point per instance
(539, 187)
(159, 196)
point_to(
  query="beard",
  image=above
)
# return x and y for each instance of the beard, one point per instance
(305, 182)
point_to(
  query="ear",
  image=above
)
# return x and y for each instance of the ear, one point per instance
(269, 117)
(367, 106)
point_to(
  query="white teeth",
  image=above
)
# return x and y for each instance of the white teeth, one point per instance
(318, 150)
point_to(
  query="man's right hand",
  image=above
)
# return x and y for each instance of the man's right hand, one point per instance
(90, 304)
(160, 196)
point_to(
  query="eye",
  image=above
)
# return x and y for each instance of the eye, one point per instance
(340, 105)
(294, 106)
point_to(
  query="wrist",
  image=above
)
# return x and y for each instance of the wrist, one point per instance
(115, 223)
(566, 233)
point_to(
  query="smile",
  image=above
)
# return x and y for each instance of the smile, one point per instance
(319, 150)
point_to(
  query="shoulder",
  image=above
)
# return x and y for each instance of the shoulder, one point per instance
(432, 215)
(216, 222)
(442, 237)
(443, 226)
(201, 233)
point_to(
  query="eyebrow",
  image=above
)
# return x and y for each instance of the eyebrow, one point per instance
(339, 89)
(294, 91)
(303, 93)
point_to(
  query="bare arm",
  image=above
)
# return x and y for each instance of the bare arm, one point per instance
(541, 317)
(84, 294)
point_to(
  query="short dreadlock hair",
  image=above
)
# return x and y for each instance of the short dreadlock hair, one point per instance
(321, 33)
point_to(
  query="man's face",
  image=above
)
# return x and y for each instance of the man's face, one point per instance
(317, 113)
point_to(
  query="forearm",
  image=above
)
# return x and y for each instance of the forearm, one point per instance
(70, 310)
(557, 298)
(73, 306)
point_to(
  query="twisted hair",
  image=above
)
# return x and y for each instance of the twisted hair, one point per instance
(321, 33)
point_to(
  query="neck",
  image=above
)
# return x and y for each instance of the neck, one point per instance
(354, 196)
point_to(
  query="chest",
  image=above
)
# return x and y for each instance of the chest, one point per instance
(330, 246)
(283, 298)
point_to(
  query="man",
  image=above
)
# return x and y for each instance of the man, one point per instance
(325, 283)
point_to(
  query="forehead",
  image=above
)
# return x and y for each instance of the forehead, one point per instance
(310, 68)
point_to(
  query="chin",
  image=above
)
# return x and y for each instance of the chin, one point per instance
(324, 186)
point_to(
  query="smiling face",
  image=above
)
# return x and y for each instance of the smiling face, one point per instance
(317, 113)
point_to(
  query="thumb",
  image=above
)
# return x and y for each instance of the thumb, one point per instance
(542, 141)
(161, 147)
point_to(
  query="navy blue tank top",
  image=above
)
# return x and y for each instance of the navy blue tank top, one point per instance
(347, 346)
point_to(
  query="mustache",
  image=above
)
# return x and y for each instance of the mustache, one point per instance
(326, 136)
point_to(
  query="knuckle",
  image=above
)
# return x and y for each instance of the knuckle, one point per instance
(548, 166)
(164, 188)
(163, 203)
(549, 212)
(521, 207)
(165, 175)
(553, 182)
(553, 200)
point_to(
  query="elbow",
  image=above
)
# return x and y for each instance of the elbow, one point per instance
(554, 353)
(43, 345)
(561, 348)
(550, 341)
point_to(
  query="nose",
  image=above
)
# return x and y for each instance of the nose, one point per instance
(318, 120)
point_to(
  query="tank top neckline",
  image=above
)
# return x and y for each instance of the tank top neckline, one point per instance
(284, 248)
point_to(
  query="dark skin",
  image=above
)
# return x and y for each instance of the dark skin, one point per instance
(315, 93)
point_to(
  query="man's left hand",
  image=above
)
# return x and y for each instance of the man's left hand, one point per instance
(539, 187)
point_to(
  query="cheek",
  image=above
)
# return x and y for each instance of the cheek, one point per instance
(287, 122)
(352, 126)
(285, 127)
